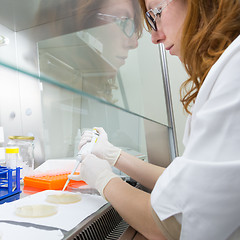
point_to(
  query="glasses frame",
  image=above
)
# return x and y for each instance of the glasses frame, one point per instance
(120, 21)
(157, 12)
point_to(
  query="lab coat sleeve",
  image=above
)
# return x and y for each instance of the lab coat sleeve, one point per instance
(206, 193)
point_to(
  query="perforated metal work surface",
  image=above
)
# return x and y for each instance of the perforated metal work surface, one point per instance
(109, 225)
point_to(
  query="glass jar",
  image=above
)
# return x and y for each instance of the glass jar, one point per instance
(26, 155)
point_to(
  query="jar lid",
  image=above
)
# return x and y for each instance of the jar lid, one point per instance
(21, 137)
(12, 150)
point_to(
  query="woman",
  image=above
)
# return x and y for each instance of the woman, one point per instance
(197, 196)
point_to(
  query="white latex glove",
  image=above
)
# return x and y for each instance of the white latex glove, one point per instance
(102, 148)
(95, 172)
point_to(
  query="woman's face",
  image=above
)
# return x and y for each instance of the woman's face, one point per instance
(169, 25)
(114, 41)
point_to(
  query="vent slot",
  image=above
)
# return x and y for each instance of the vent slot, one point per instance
(118, 231)
(109, 226)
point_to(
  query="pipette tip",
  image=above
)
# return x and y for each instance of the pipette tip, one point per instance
(65, 185)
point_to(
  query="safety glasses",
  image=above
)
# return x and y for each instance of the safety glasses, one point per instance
(126, 24)
(152, 14)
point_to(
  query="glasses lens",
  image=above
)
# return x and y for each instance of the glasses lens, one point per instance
(129, 27)
(151, 14)
(151, 20)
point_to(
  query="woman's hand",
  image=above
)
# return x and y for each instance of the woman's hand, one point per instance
(102, 148)
(95, 172)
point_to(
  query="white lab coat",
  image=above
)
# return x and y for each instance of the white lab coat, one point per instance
(203, 186)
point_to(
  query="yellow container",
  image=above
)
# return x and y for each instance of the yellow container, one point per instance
(26, 153)
(11, 157)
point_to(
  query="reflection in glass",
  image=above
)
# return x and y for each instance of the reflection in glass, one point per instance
(105, 57)
(93, 55)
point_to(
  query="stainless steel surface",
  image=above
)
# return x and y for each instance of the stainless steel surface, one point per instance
(157, 140)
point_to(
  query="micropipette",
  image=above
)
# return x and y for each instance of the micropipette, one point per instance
(86, 149)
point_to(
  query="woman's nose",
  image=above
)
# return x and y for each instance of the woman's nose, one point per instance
(133, 41)
(157, 36)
